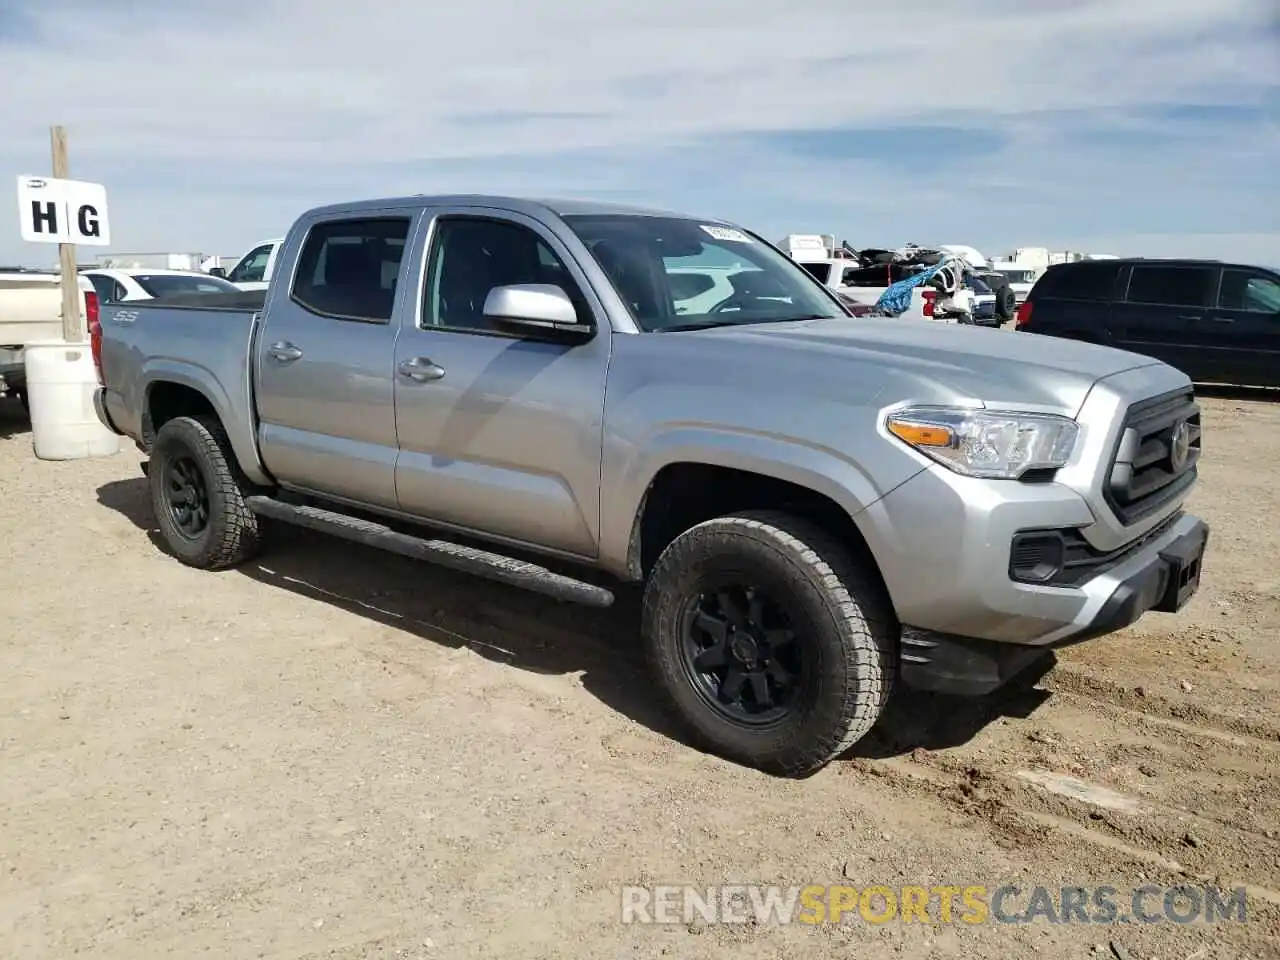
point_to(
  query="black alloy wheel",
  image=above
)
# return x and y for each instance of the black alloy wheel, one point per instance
(743, 656)
(198, 494)
(773, 645)
(187, 496)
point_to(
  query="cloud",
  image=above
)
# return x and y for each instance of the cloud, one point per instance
(998, 123)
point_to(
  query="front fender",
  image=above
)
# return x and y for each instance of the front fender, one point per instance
(832, 473)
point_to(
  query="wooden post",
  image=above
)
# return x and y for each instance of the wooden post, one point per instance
(73, 330)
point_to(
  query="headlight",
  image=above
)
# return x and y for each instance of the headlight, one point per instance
(986, 443)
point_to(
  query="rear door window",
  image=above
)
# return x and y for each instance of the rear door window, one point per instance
(1080, 281)
(1172, 286)
(348, 269)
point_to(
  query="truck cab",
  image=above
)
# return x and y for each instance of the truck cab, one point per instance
(254, 270)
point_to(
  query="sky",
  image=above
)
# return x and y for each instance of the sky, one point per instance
(1130, 127)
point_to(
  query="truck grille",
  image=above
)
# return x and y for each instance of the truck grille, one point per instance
(1156, 456)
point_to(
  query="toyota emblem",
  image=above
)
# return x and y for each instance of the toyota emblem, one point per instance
(1180, 446)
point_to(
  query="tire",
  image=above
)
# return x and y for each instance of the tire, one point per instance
(197, 448)
(1010, 305)
(842, 653)
(21, 394)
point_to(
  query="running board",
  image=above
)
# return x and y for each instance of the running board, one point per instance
(494, 566)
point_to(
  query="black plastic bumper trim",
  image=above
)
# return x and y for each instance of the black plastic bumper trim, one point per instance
(100, 408)
(964, 666)
(457, 556)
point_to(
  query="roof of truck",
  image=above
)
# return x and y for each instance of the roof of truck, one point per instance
(526, 205)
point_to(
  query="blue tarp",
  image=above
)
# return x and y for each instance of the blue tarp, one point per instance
(897, 296)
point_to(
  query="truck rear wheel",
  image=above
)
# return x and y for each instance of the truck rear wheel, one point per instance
(197, 493)
(773, 647)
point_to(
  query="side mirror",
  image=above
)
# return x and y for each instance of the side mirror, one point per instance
(217, 272)
(539, 309)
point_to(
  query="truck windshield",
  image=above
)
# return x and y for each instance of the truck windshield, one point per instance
(683, 274)
(167, 284)
(1019, 276)
(819, 271)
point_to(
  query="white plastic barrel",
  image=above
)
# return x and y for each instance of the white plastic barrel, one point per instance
(61, 381)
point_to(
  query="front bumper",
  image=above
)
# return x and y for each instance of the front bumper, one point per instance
(1161, 577)
(943, 544)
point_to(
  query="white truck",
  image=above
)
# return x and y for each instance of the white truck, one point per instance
(31, 310)
(253, 271)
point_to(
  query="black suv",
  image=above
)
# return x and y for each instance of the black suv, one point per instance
(1217, 322)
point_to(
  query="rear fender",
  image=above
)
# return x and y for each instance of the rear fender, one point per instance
(233, 412)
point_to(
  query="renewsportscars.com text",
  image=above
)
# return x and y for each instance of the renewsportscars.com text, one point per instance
(938, 904)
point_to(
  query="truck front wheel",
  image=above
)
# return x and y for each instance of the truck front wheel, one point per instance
(197, 494)
(775, 649)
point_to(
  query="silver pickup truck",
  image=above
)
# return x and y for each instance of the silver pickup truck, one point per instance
(818, 506)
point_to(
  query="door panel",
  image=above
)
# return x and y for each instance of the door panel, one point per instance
(1159, 313)
(326, 401)
(505, 438)
(1241, 336)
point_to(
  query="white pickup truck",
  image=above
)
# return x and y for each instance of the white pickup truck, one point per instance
(31, 310)
(253, 271)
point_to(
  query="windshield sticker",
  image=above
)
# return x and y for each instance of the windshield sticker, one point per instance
(726, 233)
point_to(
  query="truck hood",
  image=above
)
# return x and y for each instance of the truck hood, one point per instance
(921, 359)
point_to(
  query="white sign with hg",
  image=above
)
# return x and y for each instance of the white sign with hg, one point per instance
(63, 211)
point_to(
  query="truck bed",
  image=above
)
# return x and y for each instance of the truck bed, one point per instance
(239, 300)
(205, 339)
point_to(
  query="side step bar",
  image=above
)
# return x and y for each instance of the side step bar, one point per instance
(494, 566)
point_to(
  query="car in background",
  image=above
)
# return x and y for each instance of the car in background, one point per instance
(984, 309)
(1020, 279)
(115, 285)
(857, 307)
(1216, 322)
(984, 302)
(1007, 299)
(697, 290)
(30, 311)
(253, 271)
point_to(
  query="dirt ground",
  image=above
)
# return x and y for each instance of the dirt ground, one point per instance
(338, 753)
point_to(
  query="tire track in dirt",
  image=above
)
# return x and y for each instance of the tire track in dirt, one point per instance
(1101, 843)
(1139, 699)
(1116, 780)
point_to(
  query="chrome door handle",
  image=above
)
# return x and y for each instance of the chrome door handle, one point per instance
(284, 352)
(421, 369)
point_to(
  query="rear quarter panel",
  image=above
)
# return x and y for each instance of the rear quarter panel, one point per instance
(207, 350)
(1088, 320)
(1055, 312)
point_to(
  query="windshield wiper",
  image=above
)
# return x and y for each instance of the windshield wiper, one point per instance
(699, 325)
